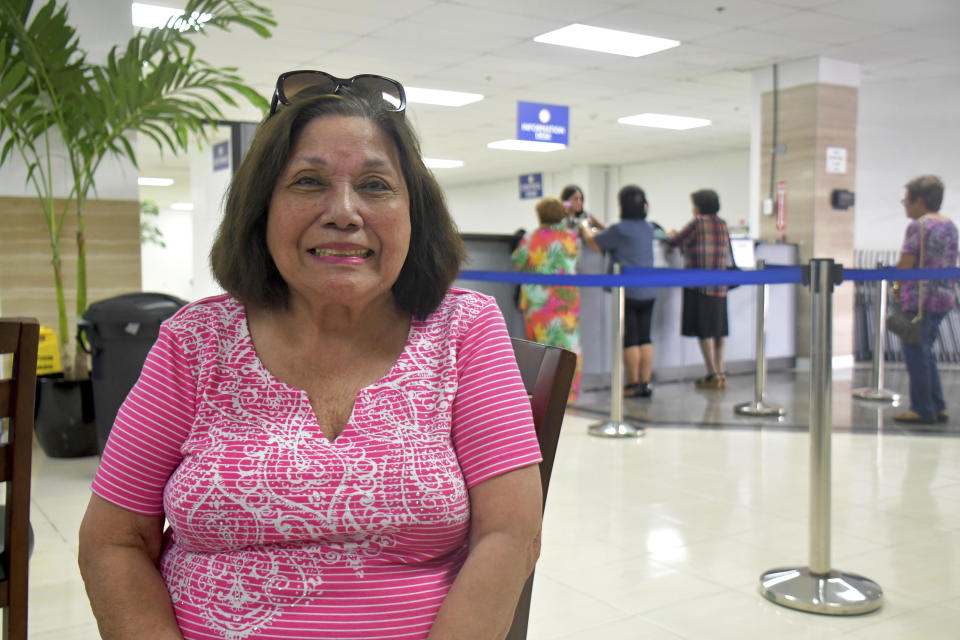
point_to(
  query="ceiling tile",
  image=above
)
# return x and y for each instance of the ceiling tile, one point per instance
(765, 45)
(821, 28)
(897, 14)
(734, 13)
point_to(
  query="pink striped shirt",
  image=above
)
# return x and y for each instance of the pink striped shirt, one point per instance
(275, 532)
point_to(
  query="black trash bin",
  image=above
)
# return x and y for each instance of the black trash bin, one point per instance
(120, 332)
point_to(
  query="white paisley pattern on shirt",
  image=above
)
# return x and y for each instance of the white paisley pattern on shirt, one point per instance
(269, 518)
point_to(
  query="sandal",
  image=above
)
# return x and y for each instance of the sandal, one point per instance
(912, 417)
(712, 381)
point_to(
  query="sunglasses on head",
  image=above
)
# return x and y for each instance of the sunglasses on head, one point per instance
(289, 84)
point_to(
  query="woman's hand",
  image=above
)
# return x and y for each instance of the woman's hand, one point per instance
(119, 556)
(505, 517)
(588, 234)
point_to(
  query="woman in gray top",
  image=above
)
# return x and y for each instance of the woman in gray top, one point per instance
(630, 242)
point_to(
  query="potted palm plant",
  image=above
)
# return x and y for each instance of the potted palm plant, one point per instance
(54, 101)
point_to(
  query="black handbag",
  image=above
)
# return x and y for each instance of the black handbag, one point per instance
(906, 325)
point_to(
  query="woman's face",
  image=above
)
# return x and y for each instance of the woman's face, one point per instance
(913, 208)
(338, 227)
(576, 202)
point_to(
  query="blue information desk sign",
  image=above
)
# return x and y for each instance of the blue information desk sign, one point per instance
(531, 186)
(543, 122)
(221, 155)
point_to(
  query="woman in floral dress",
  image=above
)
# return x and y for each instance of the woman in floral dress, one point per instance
(551, 314)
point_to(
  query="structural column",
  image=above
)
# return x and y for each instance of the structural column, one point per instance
(804, 147)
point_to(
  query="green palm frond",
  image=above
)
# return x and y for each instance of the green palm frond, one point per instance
(51, 96)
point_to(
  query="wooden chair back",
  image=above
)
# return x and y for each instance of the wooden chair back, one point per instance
(547, 374)
(19, 337)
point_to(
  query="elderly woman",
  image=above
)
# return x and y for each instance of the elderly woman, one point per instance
(705, 243)
(551, 314)
(341, 444)
(930, 242)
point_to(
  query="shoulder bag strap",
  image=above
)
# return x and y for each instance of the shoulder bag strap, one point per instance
(919, 315)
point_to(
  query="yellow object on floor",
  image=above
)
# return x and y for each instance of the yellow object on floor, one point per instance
(48, 353)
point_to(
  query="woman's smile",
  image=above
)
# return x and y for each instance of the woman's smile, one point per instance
(341, 254)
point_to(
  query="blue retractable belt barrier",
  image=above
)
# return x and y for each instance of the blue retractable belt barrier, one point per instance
(650, 277)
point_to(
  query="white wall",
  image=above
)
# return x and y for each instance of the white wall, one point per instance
(170, 269)
(905, 128)
(496, 207)
(669, 183)
(207, 191)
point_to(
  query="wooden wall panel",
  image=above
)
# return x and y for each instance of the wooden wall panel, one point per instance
(812, 118)
(26, 273)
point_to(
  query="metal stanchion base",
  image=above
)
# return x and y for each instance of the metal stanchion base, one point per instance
(759, 409)
(878, 395)
(615, 430)
(835, 593)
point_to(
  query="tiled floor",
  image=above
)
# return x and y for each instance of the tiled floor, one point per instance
(664, 537)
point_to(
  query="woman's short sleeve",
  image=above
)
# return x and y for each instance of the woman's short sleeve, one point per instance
(911, 240)
(152, 424)
(493, 430)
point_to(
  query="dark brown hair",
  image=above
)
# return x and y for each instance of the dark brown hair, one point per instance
(240, 259)
(569, 190)
(706, 201)
(927, 188)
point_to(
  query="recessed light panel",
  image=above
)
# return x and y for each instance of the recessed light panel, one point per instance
(152, 16)
(664, 121)
(440, 163)
(623, 43)
(441, 97)
(526, 145)
(154, 182)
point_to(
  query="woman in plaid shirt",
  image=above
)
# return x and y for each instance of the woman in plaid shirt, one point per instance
(705, 243)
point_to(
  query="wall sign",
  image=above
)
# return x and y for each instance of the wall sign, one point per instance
(543, 122)
(836, 160)
(221, 155)
(531, 186)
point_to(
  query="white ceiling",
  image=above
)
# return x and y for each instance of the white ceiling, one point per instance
(486, 46)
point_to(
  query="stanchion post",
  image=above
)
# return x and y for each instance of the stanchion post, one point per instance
(615, 427)
(876, 391)
(818, 588)
(759, 407)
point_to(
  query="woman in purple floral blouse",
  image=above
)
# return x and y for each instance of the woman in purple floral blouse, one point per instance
(934, 297)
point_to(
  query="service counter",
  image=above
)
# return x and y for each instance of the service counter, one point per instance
(675, 357)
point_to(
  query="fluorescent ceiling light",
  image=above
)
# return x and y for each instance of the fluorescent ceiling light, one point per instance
(440, 163)
(441, 97)
(150, 16)
(526, 145)
(624, 43)
(663, 121)
(154, 182)
(182, 206)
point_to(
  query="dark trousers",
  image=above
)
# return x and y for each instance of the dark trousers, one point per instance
(926, 395)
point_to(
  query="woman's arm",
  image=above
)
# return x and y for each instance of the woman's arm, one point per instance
(119, 554)
(505, 517)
